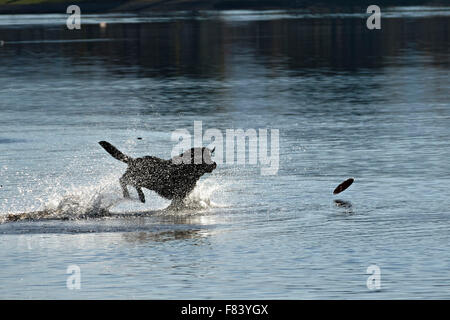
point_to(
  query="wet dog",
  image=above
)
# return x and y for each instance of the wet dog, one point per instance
(172, 179)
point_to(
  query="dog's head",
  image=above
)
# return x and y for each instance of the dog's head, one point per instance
(200, 158)
(207, 159)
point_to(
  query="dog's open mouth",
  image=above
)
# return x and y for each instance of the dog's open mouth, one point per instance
(211, 167)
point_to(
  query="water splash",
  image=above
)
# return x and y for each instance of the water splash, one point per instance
(198, 201)
(98, 200)
(74, 203)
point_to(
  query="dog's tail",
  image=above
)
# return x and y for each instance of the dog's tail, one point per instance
(115, 152)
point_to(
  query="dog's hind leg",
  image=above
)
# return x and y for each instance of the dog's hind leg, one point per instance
(123, 184)
(140, 194)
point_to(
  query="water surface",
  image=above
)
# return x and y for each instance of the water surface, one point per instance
(347, 101)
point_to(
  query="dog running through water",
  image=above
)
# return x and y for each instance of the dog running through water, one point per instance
(172, 179)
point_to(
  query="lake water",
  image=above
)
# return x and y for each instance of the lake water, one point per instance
(347, 101)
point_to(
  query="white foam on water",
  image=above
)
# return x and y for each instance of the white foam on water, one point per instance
(105, 198)
(59, 202)
(86, 200)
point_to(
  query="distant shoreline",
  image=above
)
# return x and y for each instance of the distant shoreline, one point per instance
(140, 6)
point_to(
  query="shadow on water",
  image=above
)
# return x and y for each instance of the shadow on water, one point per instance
(342, 203)
(345, 207)
(144, 237)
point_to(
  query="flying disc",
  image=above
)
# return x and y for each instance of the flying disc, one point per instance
(344, 185)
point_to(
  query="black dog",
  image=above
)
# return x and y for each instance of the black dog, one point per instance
(172, 179)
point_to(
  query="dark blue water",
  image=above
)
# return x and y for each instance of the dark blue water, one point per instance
(347, 101)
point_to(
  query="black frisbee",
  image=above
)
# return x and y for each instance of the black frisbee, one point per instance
(344, 185)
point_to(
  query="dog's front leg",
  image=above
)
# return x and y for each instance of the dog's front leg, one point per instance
(140, 194)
